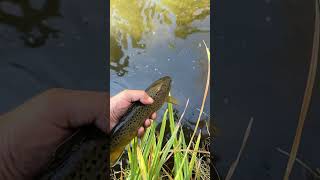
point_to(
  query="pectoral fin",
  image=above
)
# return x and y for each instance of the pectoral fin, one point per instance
(172, 100)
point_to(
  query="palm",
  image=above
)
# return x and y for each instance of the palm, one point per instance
(121, 102)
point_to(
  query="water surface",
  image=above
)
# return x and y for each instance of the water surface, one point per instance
(263, 51)
(151, 39)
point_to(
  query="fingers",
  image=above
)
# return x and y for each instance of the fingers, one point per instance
(154, 116)
(137, 95)
(147, 123)
(141, 131)
(143, 97)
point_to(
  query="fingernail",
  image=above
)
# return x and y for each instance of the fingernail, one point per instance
(150, 99)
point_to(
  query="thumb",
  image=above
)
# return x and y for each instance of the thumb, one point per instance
(81, 108)
(136, 95)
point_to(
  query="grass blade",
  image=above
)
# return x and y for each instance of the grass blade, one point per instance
(142, 164)
(307, 94)
(179, 174)
(176, 156)
(165, 153)
(314, 173)
(184, 146)
(159, 145)
(162, 129)
(148, 141)
(169, 144)
(244, 142)
(194, 157)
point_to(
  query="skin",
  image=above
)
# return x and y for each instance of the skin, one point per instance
(30, 133)
(121, 102)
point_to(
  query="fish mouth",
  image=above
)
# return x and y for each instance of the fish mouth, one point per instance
(162, 83)
(166, 79)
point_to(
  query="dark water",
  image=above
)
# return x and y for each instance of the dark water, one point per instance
(263, 50)
(49, 43)
(30, 19)
(150, 39)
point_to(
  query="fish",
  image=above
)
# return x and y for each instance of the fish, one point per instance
(85, 154)
(82, 156)
(127, 128)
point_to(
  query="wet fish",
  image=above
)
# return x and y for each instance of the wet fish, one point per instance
(85, 155)
(126, 129)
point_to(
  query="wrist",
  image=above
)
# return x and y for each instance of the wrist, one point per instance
(113, 114)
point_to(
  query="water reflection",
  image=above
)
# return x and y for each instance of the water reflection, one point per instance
(29, 21)
(134, 24)
(118, 62)
(187, 12)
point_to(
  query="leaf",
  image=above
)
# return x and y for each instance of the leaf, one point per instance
(159, 145)
(194, 157)
(307, 94)
(244, 142)
(142, 164)
(201, 111)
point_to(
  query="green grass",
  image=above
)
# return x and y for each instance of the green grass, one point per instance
(152, 158)
(148, 157)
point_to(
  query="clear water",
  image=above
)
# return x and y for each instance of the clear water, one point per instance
(150, 39)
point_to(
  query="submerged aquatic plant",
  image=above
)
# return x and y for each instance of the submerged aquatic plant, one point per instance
(151, 156)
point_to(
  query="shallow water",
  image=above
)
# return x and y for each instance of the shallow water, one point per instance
(150, 39)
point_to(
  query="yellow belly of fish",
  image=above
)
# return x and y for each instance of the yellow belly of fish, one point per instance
(115, 155)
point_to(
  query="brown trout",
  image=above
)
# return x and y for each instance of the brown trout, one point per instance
(126, 129)
(85, 155)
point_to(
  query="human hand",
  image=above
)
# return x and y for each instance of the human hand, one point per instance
(120, 103)
(31, 133)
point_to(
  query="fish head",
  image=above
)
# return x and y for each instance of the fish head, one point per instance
(160, 88)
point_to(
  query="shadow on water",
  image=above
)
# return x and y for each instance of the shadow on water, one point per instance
(31, 22)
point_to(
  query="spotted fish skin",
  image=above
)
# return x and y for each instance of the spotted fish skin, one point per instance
(85, 155)
(127, 128)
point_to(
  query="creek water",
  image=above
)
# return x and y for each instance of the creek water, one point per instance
(151, 39)
(50, 43)
(263, 51)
